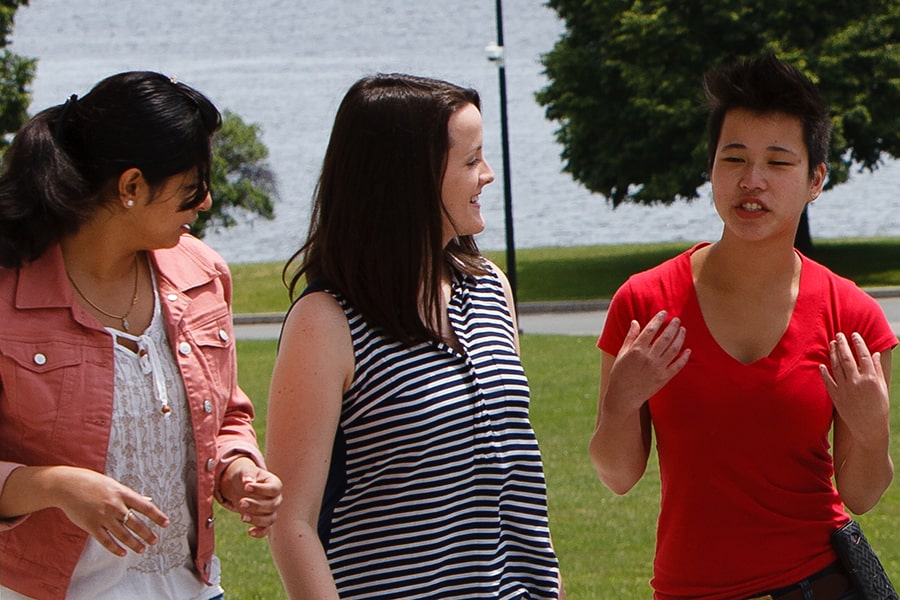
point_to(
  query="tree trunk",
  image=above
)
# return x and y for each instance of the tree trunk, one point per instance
(803, 240)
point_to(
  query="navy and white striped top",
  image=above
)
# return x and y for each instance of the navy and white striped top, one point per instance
(437, 489)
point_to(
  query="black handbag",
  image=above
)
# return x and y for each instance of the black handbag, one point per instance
(862, 564)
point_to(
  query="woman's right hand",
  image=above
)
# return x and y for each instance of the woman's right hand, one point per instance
(114, 514)
(647, 360)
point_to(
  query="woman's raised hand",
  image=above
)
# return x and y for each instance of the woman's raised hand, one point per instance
(857, 386)
(647, 360)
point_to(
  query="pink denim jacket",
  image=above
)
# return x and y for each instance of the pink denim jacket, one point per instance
(56, 396)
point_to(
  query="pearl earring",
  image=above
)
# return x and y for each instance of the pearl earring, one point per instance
(129, 203)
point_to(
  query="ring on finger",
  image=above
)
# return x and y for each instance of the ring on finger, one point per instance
(126, 517)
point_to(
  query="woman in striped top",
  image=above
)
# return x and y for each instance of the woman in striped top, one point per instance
(398, 412)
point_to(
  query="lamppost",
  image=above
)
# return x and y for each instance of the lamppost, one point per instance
(495, 54)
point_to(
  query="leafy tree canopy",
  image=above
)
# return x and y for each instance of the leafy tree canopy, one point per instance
(625, 83)
(16, 75)
(241, 179)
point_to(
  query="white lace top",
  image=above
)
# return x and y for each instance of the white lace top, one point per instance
(152, 452)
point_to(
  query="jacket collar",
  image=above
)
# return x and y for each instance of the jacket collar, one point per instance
(185, 266)
(43, 282)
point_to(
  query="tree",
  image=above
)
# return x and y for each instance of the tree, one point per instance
(241, 179)
(625, 84)
(16, 74)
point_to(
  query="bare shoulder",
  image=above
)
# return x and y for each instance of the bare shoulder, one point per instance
(504, 281)
(498, 272)
(316, 310)
(510, 298)
(316, 323)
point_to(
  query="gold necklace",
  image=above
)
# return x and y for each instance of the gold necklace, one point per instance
(134, 298)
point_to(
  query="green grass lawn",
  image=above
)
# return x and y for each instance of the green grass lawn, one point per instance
(590, 272)
(605, 542)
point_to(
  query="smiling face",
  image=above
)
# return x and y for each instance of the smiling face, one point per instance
(760, 175)
(465, 175)
(163, 221)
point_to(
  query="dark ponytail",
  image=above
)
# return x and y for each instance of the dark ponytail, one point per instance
(40, 191)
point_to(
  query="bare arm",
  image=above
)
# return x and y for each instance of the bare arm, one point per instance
(314, 367)
(648, 359)
(859, 385)
(620, 445)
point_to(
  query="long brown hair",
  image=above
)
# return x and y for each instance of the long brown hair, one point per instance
(376, 229)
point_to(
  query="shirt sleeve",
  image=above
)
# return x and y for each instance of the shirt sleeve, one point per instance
(618, 318)
(865, 316)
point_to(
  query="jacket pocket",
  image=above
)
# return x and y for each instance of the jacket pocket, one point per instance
(39, 380)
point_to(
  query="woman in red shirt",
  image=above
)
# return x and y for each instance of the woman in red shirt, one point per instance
(743, 356)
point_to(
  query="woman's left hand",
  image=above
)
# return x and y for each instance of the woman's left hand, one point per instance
(857, 386)
(252, 492)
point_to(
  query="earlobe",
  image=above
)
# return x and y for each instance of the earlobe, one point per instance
(819, 179)
(131, 185)
(818, 182)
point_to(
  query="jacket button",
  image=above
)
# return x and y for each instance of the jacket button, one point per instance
(40, 359)
(223, 335)
(184, 348)
(172, 297)
(210, 464)
(207, 406)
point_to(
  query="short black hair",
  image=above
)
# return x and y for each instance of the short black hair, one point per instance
(764, 85)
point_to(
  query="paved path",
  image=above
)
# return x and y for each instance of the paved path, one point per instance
(552, 318)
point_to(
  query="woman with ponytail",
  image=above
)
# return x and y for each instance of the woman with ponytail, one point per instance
(120, 414)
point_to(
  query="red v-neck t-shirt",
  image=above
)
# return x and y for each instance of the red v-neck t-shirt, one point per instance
(747, 500)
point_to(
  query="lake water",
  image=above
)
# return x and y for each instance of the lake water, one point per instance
(285, 64)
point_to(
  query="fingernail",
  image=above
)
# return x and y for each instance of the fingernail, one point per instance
(245, 518)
